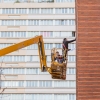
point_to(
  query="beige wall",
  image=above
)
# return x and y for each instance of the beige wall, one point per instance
(31, 52)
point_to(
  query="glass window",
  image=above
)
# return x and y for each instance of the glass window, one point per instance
(58, 45)
(33, 46)
(7, 71)
(20, 22)
(34, 10)
(48, 46)
(32, 34)
(71, 59)
(38, 96)
(71, 96)
(17, 96)
(71, 71)
(42, 72)
(45, 83)
(38, 22)
(71, 46)
(18, 71)
(29, 97)
(46, 22)
(31, 70)
(5, 96)
(46, 34)
(46, 10)
(61, 97)
(64, 10)
(31, 83)
(58, 1)
(33, 22)
(48, 58)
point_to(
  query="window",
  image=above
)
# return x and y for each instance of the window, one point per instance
(61, 97)
(38, 22)
(34, 10)
(6, 83)
(17, 83)
(46, 22)
(7, 71)
(19, 34)
(62, 34)
(18, 58)
(5, 96)
(72, 97)
(71, 46)
(72, 84)
(43, 73)
(31, 83)
(33, 22)
(8, 11)
(58, 45)
(21, 11)
(38, 84)
(12, 34)
(65, 34)
(71, 22)
(18, 71)
(32, 34)
(71, 59)
(31, 70)
(73, 34)
(58, 1)
(48, 46)
(38, 10)
(38, 96)
(48, 58)
(8, 22)
(46, 10)
(17, 96)
(21, 71)
(14, 11)
(29, 97)
(65, 84)
(33, 46)
(64, 10)
(64, 22)
(46, 34)
(45, 84)
(71, 71)
(20, 22)
(3, 45)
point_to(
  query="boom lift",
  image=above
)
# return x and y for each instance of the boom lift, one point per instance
(57, 70)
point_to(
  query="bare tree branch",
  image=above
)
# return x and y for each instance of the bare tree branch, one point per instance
(1, 73)
(3, 90)
(1, 67)
(4, 97)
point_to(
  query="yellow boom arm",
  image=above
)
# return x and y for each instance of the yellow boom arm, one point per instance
(37, 39)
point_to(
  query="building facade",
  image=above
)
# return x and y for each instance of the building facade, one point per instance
(21, 76)
(88, 49)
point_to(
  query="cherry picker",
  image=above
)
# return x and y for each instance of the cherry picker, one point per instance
(57, 70)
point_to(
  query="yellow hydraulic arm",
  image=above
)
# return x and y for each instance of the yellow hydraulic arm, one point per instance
(57, 74)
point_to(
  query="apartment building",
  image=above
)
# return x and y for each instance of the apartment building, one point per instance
(21, 76)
